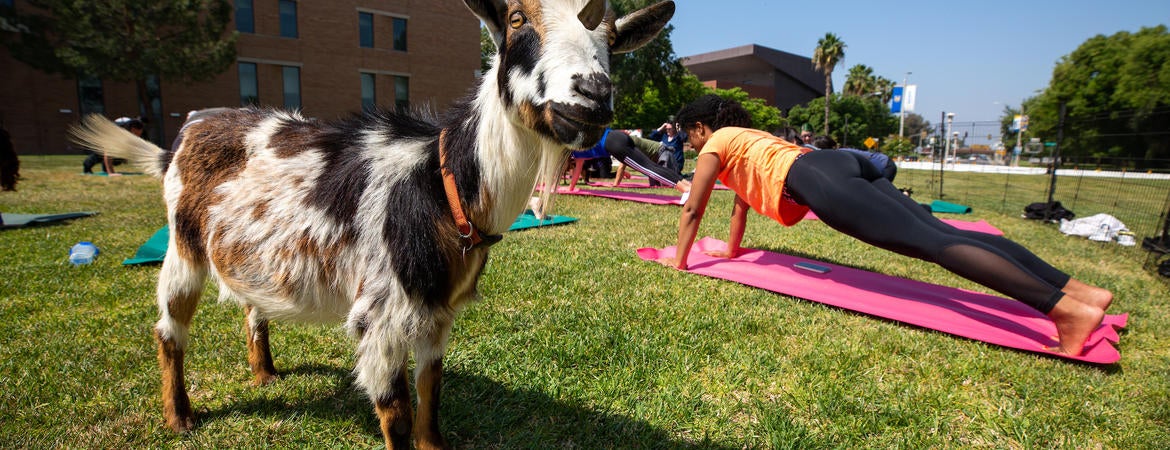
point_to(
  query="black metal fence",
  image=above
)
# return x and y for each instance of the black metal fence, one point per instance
(1136, 192)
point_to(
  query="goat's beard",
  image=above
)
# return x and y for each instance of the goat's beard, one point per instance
(548, 177)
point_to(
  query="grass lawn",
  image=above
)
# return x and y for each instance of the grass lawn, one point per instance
(576, 344)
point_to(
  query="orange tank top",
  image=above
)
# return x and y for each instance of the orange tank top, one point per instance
(755, 164)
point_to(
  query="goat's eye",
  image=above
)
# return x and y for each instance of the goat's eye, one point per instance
(517, 20)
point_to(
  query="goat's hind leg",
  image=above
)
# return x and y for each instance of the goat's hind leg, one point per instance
(259, 351)
(180, 284)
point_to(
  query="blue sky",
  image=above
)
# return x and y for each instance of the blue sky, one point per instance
(970, 58)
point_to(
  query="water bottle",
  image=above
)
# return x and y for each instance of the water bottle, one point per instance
(82, 253)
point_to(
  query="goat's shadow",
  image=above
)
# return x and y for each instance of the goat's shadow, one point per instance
(476, 412)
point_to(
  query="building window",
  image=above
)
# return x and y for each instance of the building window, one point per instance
(365, 30)
(369, 98)
(401, 93)
(288, 18)
(249, 85)
(400, 34)
(154, 126)
(91, 99)
(292, 87)
(245, 20)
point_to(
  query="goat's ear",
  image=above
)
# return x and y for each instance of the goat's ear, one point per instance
(639, 27)
(493, 13)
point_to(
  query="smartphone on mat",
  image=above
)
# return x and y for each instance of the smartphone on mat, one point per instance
(811, 267)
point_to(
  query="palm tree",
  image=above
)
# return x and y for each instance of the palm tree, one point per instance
(830, 51)
(859, 81)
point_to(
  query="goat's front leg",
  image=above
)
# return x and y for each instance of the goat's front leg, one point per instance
(381, 372)
(259, 352)
(428, 355)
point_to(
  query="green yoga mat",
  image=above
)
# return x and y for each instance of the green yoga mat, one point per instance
(528, 220)
(940, 206)
(155, 248)
(22, 220)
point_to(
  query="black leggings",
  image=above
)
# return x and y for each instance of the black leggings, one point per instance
(620, 146)
(850, 195)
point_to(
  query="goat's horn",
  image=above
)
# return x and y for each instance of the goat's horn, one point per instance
(593, 13)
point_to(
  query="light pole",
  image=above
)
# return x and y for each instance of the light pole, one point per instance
(1019, 137)
(947, 150)
(902, 108)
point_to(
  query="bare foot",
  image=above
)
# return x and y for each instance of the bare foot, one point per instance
(1075, 320)
(1092, 295)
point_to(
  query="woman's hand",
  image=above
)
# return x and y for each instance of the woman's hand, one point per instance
(721, 253)
(670, 261)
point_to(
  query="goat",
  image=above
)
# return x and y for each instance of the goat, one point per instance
(382, 221)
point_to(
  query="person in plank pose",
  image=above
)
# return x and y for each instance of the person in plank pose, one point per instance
(783, 181)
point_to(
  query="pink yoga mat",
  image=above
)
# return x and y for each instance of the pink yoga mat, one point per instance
(972, 315)
(981, 226)
(629, 185)
(623, 195)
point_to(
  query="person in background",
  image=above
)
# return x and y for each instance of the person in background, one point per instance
(132, 125)
(880, 160)
(783, 181)
(622, 146)
(673, 141)
(9, 161)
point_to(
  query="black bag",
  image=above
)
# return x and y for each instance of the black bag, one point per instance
(1047, 211)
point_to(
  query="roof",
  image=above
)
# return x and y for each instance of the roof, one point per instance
(754, 58)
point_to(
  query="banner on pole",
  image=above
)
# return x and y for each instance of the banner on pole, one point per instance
(896, 104)
(908, 95)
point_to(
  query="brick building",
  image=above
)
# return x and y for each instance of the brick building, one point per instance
(326, 58)
(780, 78)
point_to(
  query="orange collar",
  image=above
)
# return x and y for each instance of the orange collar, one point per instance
(467, 230)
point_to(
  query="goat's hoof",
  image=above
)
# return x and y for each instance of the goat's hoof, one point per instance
(265, 379)
(181, 424)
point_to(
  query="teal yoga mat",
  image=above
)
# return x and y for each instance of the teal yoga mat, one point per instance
(23, 220)
(528, 220)
(940, 206)
(155, 248)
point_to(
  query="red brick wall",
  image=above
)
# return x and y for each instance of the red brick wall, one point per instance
(441, 60)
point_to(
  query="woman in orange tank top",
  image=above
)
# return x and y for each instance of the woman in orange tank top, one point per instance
(783, 182)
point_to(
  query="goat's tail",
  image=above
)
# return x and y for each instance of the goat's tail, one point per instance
(99, 134)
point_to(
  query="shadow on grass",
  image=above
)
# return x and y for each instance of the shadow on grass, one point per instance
(477, 412)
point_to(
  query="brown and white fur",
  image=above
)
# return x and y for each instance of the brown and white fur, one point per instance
(316, 221)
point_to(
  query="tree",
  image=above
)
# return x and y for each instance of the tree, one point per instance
(487, 48)
(125, 40)
(654, 67)
(764, 117)
(1117, 95)
(830, 51)
(853, 119)
(860, 81)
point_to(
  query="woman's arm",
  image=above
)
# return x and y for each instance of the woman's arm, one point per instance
(692, 212)
(738, 225)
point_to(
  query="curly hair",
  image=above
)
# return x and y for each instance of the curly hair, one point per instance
(714, 111)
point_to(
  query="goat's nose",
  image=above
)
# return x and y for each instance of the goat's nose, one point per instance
(596, 87)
